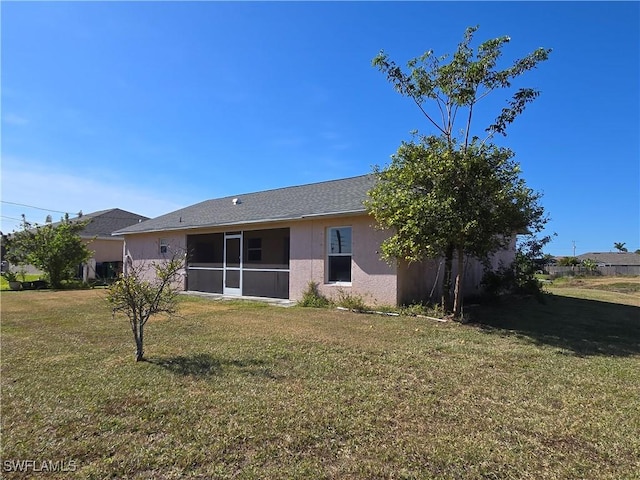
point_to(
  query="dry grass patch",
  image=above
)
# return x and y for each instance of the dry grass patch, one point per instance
(622, 290)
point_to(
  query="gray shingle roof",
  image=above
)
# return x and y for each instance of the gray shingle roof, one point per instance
(104, 222)
(612, 258)
(291, 203)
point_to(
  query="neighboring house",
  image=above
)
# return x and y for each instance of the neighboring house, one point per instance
(612, 259)
(614, 263)
(106, 262)
(274, 243)
(606, 263)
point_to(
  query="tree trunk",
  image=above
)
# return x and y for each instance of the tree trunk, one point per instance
(446, 279)
(139, 344)
(457, 303)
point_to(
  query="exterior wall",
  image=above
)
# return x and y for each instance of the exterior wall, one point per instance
(106, 250)
(422, 282)
(474, 270)
(371, 277)
(142, 250)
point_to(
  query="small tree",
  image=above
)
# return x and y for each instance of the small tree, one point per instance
(56, 249)
(138, 298)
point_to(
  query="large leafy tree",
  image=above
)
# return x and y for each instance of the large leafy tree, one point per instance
(438, 201)
(455, 192)
(54, 248)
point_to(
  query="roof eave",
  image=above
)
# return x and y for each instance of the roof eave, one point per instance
(345, 213)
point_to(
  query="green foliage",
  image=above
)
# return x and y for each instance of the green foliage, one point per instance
(620, 246)
(56, 249)
(313, 298)
(10, 276)
(451, 194)
(569, 262)
(520, 276)
(589, 265)
(456, 86)
(138, 298)
(417, 309)
(432, 197)
(350, 301)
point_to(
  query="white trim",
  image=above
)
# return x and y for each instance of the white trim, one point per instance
(266, 270)
(328, 254)
(220, 269)
(232, 290)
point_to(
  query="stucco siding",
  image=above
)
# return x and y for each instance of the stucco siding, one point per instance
(422, 281)
(377, 282)
(371, 278)
(142, 250)
(106, 250)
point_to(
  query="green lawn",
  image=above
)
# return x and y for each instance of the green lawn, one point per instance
(248, 391)
(4, 285)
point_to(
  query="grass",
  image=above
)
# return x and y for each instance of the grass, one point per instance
(248, 391)
(4, 284)
(624, 290)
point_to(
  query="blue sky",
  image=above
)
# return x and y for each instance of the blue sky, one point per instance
(151, 107)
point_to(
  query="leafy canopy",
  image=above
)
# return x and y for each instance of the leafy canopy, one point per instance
(455, 84)
(453, 192)
(56, 249)
(432, 196)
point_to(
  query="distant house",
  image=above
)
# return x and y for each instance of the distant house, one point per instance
(614, 263)
(274, 243)
(612, 259)
(106, 262)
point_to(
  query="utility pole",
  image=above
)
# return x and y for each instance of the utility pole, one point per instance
(574, 247)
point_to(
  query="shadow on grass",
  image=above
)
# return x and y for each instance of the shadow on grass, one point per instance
(206, 365)
(580, 327)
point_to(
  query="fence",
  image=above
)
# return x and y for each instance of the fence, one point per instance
(612, 270)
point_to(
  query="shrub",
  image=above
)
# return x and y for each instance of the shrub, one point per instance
(511, 280)
(313, 298)
(351, 301)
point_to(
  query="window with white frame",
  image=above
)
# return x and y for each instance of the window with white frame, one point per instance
(339, 254)
(164, 246)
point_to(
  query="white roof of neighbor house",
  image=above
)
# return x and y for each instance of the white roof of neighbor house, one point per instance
(335, 197)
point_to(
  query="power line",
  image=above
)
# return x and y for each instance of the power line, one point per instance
(79, 214)
(31, 206)
(11, 218)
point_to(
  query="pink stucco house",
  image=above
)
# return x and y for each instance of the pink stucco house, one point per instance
(273, 243)
(106, 259)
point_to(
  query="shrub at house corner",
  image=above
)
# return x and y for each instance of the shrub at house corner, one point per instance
(56, 249)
